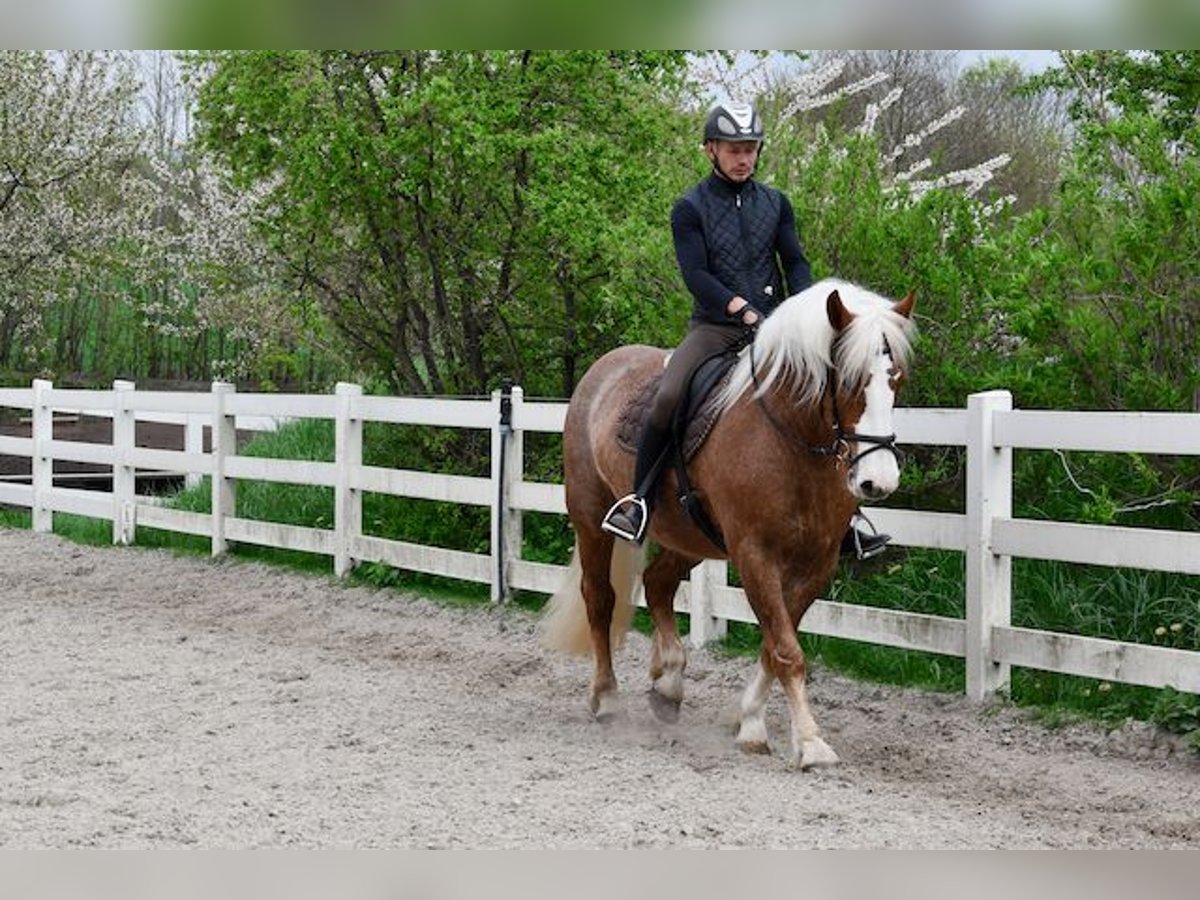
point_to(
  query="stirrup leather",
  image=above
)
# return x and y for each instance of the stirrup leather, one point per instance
(612, 528)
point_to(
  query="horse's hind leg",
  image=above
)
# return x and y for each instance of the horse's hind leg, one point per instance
(595, 559)
(667, 656)
(752, 733)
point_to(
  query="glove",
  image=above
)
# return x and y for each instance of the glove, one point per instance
(742, 314)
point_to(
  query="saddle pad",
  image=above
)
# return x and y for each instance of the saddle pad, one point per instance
(702, 415)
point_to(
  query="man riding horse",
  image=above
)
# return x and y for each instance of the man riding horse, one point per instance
(733, 236)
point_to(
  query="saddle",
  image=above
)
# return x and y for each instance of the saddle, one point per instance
(697, 414)
(694, 419)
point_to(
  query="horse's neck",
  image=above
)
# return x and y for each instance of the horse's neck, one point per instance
(807, 423)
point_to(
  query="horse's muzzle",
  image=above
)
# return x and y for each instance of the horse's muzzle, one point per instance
(874, 473)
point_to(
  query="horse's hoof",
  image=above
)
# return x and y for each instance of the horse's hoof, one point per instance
(758, 748)
(605, 708)
(664, 708)
(816, 753)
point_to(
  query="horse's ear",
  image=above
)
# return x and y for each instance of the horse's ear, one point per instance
(905, 306)
(839, 316)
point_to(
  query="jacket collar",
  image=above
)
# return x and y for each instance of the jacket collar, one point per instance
(726, 188)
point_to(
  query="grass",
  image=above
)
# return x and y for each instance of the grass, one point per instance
(1157, 608)
(1154, 608)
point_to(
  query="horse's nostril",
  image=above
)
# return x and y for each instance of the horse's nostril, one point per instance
(873, 489)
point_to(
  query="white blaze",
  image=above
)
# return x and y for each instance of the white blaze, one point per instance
(879, 468)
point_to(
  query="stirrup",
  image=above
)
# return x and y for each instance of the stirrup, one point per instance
(878, 542)
(624, 533)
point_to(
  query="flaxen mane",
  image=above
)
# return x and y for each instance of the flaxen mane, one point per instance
(796, 344)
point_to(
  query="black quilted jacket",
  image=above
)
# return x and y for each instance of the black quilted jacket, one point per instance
(731, 240)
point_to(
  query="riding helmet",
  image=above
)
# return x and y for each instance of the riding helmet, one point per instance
(733, 122)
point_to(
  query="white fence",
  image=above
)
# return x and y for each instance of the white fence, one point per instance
(987, 533)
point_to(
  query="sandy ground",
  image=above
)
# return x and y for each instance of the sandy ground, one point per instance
(150, 700)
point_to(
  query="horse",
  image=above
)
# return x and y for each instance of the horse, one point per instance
(803, 435)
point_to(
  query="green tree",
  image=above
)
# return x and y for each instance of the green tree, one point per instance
(1103, 285)
(861, 220)
(464, 215)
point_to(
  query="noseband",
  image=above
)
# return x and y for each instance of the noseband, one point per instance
(842, 440)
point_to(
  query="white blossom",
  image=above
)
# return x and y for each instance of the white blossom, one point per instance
(87, 199)
(917, 138)
(973, 178)
(871, 114)
(68, 154)
(811, 89)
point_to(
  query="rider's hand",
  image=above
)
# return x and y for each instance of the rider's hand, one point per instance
(746, 315)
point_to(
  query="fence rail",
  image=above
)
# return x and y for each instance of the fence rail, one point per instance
(988, 535)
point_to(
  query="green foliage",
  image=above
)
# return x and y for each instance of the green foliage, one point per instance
(1101, 287)
(856, 223)
(1154, 608)
(1178, 713)
(462, 215)
(548, 538)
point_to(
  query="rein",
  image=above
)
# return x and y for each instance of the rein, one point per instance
(839, 446)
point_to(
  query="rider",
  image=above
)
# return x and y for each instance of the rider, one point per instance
(732, 236)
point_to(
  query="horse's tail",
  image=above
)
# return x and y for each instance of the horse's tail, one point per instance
(564, 624)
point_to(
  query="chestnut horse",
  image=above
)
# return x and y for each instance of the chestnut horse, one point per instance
(804, 434)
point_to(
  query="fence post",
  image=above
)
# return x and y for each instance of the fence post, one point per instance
(124, 480)
(703, 626)
(193, 442)
(42, 464)
(507, 467)
(224, 443)
(989, 575)
(347, 496)
(512, 533)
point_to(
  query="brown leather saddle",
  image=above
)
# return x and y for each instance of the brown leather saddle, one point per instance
(700, 408)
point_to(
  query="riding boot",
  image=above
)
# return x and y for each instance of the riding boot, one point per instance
(629, 517)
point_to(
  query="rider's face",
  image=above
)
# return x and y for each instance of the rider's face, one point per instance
(734, 158)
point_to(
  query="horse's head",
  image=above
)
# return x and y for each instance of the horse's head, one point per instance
(834, 355)
(869, 350)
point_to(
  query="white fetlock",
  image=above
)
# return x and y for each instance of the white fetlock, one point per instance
(815, 752)
(752, 736)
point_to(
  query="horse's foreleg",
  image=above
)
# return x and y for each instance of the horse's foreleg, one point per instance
(595, 559)
(783, 659)
(667, 655)
(808, 747)
(783, 655)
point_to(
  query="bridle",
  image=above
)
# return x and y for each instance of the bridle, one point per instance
(839, 446)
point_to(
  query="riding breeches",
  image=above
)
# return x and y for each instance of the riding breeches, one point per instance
(704, 339)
